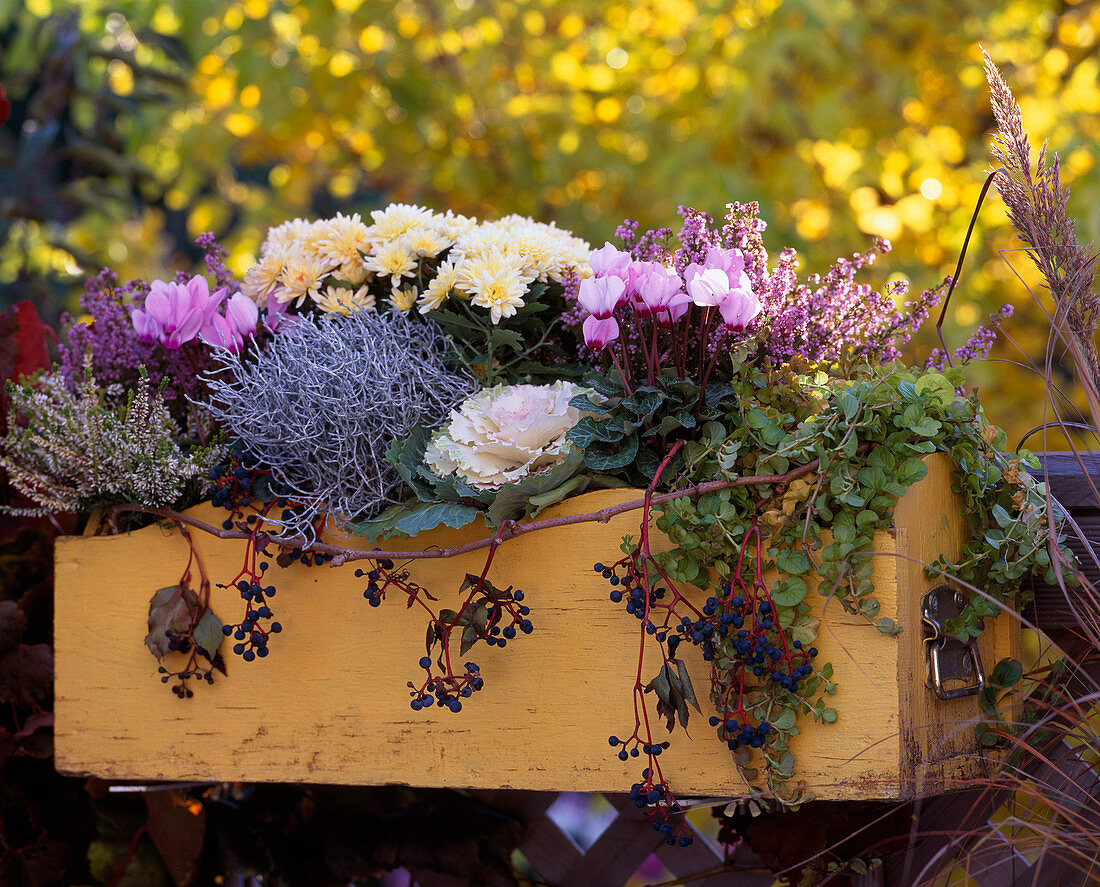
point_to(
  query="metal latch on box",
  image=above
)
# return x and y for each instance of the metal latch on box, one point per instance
(947, 659)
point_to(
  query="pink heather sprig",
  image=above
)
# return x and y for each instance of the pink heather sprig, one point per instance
(977, 347)
(828, 318)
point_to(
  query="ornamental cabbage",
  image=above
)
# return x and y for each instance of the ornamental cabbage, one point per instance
(505, 433)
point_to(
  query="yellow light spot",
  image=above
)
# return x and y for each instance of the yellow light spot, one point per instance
(617, 58)
(233, 18)
(239, 124)
(372, 38)
(408, 27)
(931, 189)
(250, 96)
(341, 64)
(534, 22)
(256, 8)
(165, 20)
(451, 42)
(571, 26)
(569, 141)
(811, 219)
(219, 92)
(347, 6)
(967, 313)
(279, 175)
(211, 26)
(608, 109)
(120, 77)
(314, 139)
(341, 185)
(635, 104)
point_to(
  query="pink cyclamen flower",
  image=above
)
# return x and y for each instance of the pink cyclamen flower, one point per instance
(238, 323)
(147, 327)
(712, 287)
(601, 295)
(600, 332)
(608, 261)
(659, 292)
(176, 312)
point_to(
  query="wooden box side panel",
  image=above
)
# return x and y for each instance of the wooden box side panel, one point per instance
(330, 704)
(939, 750)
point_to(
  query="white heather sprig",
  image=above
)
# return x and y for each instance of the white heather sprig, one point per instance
(68, 451)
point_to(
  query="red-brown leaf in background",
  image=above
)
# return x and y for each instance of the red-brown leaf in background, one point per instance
(5, 106)
(22, 348)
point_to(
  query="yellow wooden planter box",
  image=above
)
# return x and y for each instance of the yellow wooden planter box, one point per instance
(330, 703)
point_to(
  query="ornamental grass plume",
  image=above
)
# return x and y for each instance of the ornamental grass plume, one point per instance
(323, 402)
(1038, 209)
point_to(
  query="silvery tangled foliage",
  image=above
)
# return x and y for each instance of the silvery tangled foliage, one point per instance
(323, 402)
(73, 451)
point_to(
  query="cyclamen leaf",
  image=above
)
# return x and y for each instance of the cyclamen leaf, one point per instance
(605, 459)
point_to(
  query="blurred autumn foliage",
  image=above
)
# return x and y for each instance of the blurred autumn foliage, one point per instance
(843, 119)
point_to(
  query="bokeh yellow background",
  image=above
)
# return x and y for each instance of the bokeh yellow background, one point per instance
(844, 119)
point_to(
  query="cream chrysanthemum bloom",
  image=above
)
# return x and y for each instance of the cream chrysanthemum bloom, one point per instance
(392, 260)
(261, 280)
(302, 272)
(403, 299)
(426, 241)
(439, 288)
(340, 300)
(503, 434)
(395, 220)
(342, 241)
(495, 281)
(288, 233)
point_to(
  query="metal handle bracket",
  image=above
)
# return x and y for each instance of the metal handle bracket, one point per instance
(946, 658)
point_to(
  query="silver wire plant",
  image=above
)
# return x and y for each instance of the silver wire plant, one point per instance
(74, 450)
(322, 403)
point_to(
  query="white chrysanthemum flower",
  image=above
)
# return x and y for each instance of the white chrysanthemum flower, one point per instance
(495, 281)
(395, 220)
(291, 232)
(503, 434)
(454, 225)
(302, 272)
(392, 260)
(343, 240)
(426, 242)
(340, 300)
(354, 272)
(440, 286)
(403, 299)
(261, 280)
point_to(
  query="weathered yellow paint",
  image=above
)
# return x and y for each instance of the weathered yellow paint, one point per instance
(330, 703)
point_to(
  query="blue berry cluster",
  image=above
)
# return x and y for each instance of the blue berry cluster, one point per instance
(631, 748)
(651, 793)
(374, 593)
(499, 637)
(446, 692)
(183, 643)
(250, 635)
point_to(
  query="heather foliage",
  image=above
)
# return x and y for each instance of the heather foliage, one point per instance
(72, 450)
(119, 353)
